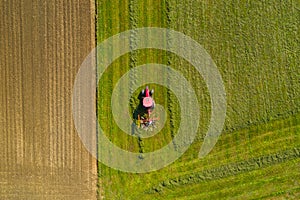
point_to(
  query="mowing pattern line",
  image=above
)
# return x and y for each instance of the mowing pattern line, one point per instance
(228, 170)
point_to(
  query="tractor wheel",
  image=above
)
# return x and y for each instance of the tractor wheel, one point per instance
(151, 92)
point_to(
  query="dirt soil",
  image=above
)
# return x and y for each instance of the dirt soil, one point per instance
(42, 44)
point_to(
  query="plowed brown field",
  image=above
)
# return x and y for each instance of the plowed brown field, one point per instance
(42, 44)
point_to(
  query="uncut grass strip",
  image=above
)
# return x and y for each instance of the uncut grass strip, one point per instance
(260, 188)
(191, 166)
(240, 181)
(260, 177)
(291, 193)
(236, 168)
(257, 135)
(231, 169)
(256, 189)
(256, 151)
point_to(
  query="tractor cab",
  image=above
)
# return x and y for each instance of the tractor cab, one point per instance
(147, 99)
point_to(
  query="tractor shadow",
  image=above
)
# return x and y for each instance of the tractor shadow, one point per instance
(140, 110)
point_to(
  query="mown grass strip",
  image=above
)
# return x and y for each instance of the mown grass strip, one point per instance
(228, 170)
(172, 102)
(170, 95)
(246, 144)
(133, 55)
(247, 185)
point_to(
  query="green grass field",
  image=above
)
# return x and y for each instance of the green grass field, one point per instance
(255, 45)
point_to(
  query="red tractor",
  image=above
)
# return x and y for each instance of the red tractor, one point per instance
(144, 119)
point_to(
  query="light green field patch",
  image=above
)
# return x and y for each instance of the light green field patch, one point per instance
(255, 45)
